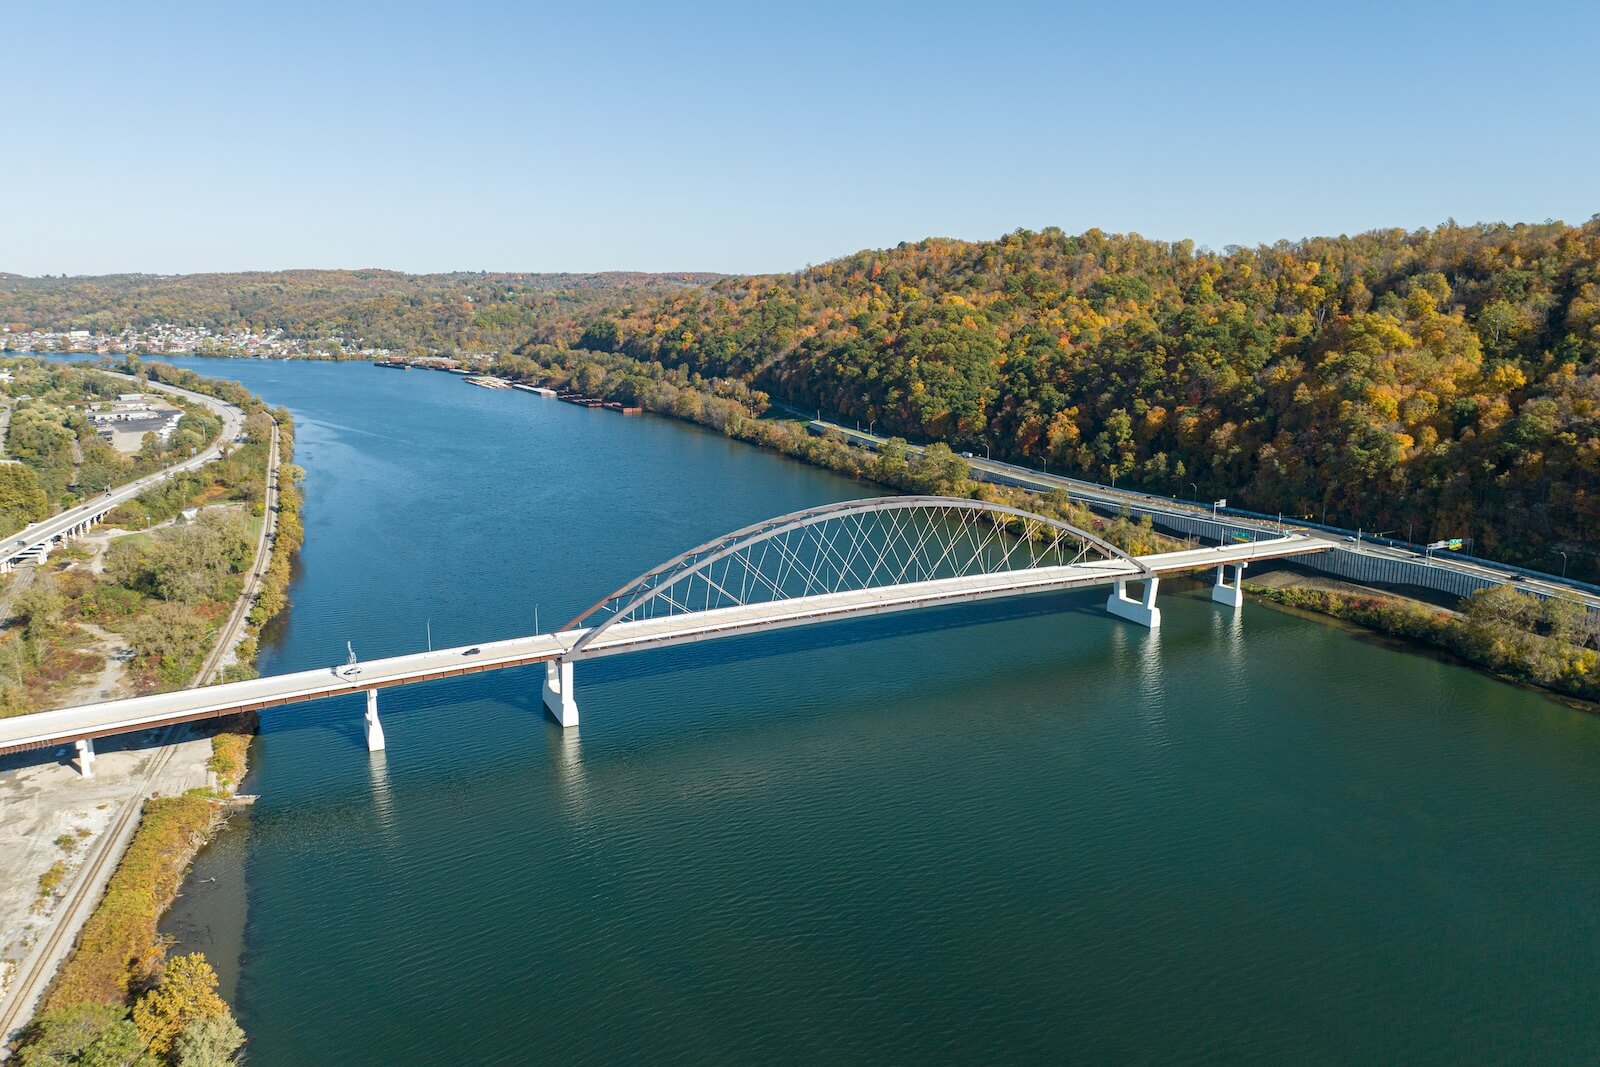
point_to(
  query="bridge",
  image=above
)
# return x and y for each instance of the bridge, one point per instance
(838, 561)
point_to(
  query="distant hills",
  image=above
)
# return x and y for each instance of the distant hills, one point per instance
(387, 309)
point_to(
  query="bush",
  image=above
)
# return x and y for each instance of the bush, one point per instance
(84, 1034)
(118, 946)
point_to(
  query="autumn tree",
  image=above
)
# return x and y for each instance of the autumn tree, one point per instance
(187, 993)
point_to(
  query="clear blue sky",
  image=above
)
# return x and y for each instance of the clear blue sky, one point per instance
(176, 137)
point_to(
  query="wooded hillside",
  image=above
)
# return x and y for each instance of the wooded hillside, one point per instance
(1437, 383)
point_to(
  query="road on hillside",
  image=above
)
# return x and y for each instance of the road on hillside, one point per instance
(1111, 497)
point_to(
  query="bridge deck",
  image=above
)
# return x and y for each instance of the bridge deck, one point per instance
(65, 725)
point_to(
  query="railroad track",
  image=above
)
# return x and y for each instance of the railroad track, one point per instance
(38, 968)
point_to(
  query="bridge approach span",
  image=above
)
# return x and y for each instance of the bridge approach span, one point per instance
(970, 557)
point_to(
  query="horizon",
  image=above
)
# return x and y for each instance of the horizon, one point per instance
(490, 271)
(190, 139)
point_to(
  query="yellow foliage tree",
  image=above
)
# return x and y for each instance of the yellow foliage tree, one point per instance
(188, 992)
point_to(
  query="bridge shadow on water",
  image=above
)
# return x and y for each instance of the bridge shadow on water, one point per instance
(520, 689)
(818, 637)
(750, 647)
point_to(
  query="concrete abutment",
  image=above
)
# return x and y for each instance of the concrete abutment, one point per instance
(1222, 592)
(1142, 611)
(558, 696)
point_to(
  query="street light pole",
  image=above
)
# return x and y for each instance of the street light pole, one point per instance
(1563, 565)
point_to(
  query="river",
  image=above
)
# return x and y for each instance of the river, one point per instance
(1013, 832)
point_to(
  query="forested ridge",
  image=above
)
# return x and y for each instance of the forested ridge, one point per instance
(1433, 383)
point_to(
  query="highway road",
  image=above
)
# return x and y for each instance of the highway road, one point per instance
(1111, 498)
(26, 542)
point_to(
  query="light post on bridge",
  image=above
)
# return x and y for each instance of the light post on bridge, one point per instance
(1563, 564)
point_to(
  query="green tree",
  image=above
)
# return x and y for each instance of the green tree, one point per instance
(120, 1046)
(22, 499)
(170, 634)
(210, 1041)
(41, 604)
(939, 471)
(87, 1035)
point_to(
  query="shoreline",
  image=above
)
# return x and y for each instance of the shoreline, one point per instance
(862, 466)
(147, 865)
(1359, 609)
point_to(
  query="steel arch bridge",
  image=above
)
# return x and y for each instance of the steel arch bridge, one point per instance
(838, 561)
(853, 546)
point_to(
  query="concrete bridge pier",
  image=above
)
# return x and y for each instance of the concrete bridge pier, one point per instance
(1222, 592)
(374, 727)
(1142, 611)
(86, 757)
(558, 692)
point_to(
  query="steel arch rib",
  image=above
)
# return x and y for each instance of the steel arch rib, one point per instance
(721, 547)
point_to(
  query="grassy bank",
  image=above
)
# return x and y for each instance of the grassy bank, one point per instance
(118, 951)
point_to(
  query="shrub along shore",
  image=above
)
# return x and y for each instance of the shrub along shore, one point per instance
(117, 999)
(1511, 634)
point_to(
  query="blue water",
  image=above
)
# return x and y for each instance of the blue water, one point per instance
(1015, 832)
